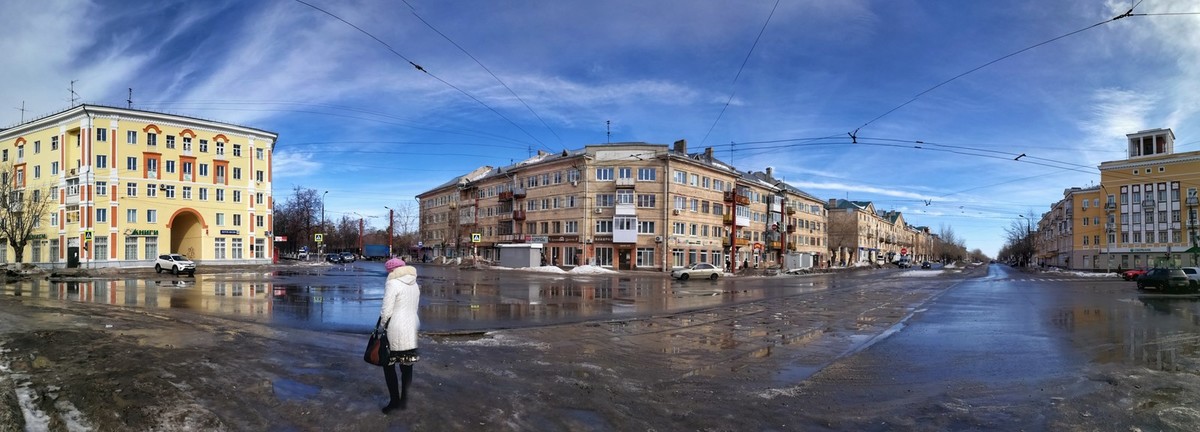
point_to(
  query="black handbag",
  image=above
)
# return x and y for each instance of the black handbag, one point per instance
(378, 350)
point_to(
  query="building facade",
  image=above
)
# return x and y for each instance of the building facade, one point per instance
(859, 234)
(128, 185)
(621, 205)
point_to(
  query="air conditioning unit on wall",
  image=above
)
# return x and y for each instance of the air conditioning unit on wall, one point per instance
(675, 212)
(658, 239)
(599, 210)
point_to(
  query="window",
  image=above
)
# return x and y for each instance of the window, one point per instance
(258, 154)
(646, 227)
(220, 219)
(131, 244)
(151, 139)
(131, 215)
(152, 216)
(170, 166)
(187, 144)
(625, 172)
(203, 146)
(151, 247)
(237, 152)
(260, 247)
(204, 169)
(236, 246)
(237, 220)
(131, 137)
(187, 192)
(647, 174)
(572, 227)
(101, 188)
(170, 141)
(604, 174)
(604, 226)
(220, 148)
(102, 215)
(625, 196)
(258, 176)
(53, 143)
(131, 163)
(131, 189)
(220, 194)
(100, 248)
(646, 200)
(151, 190)
(237, 173)
(101, 161)
(219, 248)
(680, 177)
(203, 194)
(151, 167)
(604, 200)
(101, 134)
(645, 257)
(168, 191)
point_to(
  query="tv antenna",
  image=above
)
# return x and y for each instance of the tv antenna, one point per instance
(129, 101)
(74, 96)
(22, 109)
(608, 130)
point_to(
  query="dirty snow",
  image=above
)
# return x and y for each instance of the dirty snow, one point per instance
(920, 273)
(1081, 273)
(580, 270)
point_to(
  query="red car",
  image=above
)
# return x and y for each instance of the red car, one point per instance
(1133, 274)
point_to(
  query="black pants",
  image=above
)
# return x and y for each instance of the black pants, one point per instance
(398, 393)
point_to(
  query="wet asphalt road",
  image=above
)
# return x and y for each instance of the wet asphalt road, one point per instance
(992, 348)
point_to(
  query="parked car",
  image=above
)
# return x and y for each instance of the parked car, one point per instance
(176, 263)
(1165, 280)
(926, 265)
(1193, 274)
(701, 270)
(347, 257)
(335, 258)
(903, 263)
(1133, 274)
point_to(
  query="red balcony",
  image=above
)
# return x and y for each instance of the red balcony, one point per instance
(519, 215)
(505, 196)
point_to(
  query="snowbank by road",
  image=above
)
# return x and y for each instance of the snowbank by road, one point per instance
(580, 270)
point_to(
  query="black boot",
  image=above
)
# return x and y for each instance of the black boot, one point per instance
(396, 401)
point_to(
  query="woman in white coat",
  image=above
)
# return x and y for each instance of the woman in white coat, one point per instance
(401, 296)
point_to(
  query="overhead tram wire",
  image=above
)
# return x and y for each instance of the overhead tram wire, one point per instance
(1002, 58)
(431, 75)
(485, 68)
(733, 86)
(399, 121)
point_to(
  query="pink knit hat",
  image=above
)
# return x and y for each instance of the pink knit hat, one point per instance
(392, 264)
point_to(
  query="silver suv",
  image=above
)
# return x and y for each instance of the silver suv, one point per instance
(176, 263)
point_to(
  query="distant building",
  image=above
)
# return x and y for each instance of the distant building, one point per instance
(128, 185)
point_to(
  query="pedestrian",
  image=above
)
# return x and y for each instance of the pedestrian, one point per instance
(401, 295)
(745, 264)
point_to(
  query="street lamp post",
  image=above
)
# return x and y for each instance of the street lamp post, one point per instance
(391, 222)
(1028, 241)
(321, 246)
(1192, 202)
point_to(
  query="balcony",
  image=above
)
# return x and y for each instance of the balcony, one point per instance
(731, 197)
(518, 193)
(773, 245)
(742, 242)
(505, 196)
(625, 183)
(518, 215)
(791, 229)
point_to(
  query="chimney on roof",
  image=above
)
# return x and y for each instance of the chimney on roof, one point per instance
(770, 173)
(708, 153)
(681, 146)
(833, 202)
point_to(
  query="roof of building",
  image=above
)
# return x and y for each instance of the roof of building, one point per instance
(94, 107)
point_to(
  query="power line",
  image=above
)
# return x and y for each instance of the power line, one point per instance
(422, 69)
(489, 71)
(733, 86)
(1002, 58)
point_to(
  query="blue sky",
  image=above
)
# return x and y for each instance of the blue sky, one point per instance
(356, 119)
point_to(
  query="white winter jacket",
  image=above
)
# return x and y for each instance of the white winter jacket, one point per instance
(401, 295)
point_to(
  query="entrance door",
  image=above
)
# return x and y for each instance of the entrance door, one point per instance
(73, 257)
(625, 257)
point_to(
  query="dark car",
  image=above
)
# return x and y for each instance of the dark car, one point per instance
(926, 265)
(904, 263)
(1169, 280)
(347, 257)
(334, 258)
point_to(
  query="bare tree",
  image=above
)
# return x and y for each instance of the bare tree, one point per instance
(298, 218)
(843, 233)
(23, 207)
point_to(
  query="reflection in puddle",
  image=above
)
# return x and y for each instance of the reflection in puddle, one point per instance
(1147, 331)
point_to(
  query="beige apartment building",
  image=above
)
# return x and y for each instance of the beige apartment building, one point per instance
(621, 205)
(859, 234)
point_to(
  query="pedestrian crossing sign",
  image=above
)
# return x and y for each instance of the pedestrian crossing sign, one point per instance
(476, 237)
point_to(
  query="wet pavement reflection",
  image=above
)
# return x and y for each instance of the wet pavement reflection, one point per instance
(347, 297)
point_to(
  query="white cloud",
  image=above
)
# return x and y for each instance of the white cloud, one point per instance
(287, 164)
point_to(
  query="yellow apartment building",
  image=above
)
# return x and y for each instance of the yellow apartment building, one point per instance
(859, 234)
(1147, 196)
(128, 185)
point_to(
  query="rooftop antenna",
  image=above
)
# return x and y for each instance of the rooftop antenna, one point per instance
(129, 102)
(74, 96)
(608, 128)
(22, 109)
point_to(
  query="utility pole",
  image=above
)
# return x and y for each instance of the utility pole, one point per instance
(391, 225)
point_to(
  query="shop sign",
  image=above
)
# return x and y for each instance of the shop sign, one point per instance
(41, 236)
(605, 239)
(234, 232)
(539, 239)
(565, 239)
(143, 233)
(1139, 250)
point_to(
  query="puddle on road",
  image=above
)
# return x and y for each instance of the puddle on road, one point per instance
(1156, 331)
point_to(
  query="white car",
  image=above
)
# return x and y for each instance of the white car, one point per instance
(701, 270)
(176, 263)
